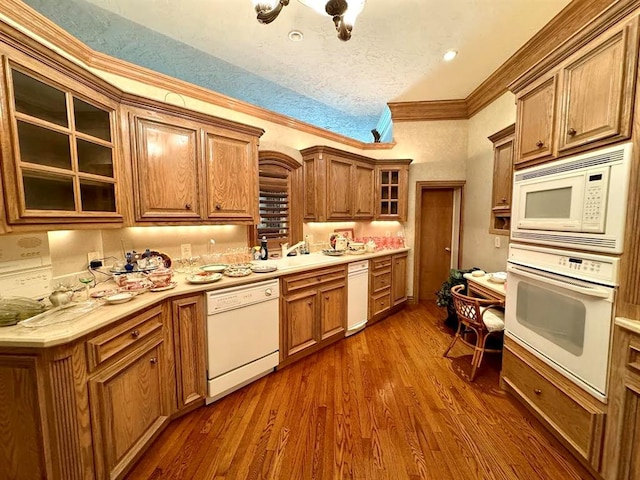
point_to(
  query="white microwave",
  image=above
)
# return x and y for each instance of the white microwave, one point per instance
(577, 202)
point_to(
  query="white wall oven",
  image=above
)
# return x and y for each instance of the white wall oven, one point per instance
(560, 307)
(578, 202)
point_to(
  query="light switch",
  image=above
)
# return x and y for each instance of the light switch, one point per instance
(496, 242)
(185, 250)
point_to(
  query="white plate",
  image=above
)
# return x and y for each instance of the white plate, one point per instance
(166, 287)
(119, 298)
(333, 253)
(214, 268)
(498, 277)
(264, 268)
(214, 277)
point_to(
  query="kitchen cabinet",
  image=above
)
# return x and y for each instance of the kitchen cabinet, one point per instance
(392, 194)
(584, 101)
(502, 180)
(60, 146)
(399, 278)
(338, 185)
(313, 312)
(576, 418)
(213, 162)
(129, 393)
(622, 455)
(189, 336)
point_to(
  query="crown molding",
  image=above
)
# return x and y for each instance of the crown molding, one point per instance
(429, 110)
(25, 19)
(576, 24)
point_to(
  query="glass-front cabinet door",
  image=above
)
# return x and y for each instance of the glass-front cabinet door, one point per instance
(391, 191)
(63, 149)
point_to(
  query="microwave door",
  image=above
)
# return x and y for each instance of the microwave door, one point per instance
(546, 204)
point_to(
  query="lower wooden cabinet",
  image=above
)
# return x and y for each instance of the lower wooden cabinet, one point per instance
(313, 312)
(622, 443)
(188, 318)
(576, 418)
(387, 285)
(399, 278)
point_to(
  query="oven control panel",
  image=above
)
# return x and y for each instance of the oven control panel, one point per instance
(585, 266)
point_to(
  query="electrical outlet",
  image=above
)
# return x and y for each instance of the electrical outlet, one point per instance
(185, 250)
(93, 256)
(496, 242)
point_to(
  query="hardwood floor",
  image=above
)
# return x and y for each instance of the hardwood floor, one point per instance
(382, 404)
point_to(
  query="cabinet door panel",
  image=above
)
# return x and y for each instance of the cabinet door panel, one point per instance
(364, 188)
(190, 336)
(300, 331)
(333, 312)
(399, 279)
(127, 408)
(339, 189)
(166, 171)
(536, 110)
(232, 177)
(593, 89)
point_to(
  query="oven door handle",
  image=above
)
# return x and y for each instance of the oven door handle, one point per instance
(541, 277)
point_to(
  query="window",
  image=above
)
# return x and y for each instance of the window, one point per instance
(279, 200)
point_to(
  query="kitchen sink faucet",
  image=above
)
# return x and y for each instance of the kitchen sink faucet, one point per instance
(286, 249)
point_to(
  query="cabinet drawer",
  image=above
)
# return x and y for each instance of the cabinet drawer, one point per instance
(380, 263)
(381, 281)
(574, 420)
(380, 303)
(311, 279)
(106, 345)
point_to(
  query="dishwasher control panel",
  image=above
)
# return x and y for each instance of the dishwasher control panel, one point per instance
(237, 297)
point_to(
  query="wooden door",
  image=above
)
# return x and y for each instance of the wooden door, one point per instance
(232, 177)
(300, 329)
(339, 188)
(593, 93)
(190, 352)
(166, 170)
(127, 408)
(436, 225)
(536, 109)
(364, 191)
(399, 279)
(333, 310)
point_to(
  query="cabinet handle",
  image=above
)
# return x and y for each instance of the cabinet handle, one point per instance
(504, 199)
(539, 144)
(135, 333)
(153, 360)
(188, 206)
(218, 206)
(309, 303)
(571, 132)
(537, 391)
(326, 297)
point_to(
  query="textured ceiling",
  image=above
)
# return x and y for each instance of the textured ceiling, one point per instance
(395, 53)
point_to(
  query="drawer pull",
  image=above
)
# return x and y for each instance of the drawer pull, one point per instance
(187, 206)
(135, 333)
(218, 206)
(153, 360)
(539, 144)
(571, 132)
(537, 391)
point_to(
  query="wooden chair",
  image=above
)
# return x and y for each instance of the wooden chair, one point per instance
(480, 316)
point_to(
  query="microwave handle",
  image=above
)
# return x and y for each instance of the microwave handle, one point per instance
(592, 292)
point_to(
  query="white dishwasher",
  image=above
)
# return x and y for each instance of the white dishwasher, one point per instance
(242, 336)
(358, 296)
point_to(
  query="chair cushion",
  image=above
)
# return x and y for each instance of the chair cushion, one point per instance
(493, 319)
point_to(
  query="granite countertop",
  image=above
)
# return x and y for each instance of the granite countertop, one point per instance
(105, 314)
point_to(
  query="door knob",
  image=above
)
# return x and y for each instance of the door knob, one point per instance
(447, 249)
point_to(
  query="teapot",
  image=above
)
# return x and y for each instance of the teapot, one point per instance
(60, 296)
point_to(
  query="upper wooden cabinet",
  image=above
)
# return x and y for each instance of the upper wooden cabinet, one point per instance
(584, 101)
(502, 180)
(344, 186)
(392, 183)
(59, 146)
(188, 167)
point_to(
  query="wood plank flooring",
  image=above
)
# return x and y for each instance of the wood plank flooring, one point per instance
(382, 404)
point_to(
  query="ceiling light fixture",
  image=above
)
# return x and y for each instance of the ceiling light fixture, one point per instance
(449, 55)
(296, 36)
(343, 12)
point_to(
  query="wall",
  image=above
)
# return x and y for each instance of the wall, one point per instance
(478, 244)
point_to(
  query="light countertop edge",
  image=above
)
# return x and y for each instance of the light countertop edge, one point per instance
(58, 334)
(628, 324)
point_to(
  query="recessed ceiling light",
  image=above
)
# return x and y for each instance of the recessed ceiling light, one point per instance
(449, 55)
(296, 36)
